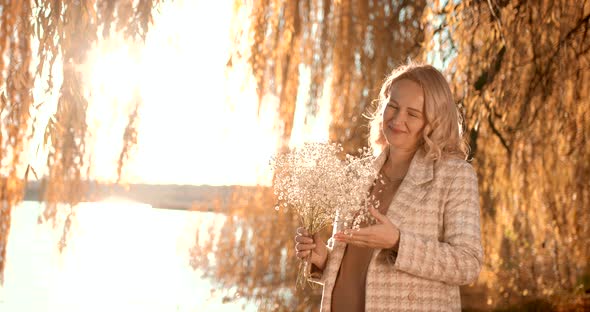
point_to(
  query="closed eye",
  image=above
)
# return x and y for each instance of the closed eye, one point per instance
(414, 113)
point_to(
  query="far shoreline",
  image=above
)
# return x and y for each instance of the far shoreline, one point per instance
(166, 196)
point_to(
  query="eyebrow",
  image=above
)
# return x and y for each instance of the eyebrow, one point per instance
(409, 108)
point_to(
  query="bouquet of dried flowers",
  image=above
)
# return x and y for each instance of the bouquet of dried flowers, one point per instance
(321, 187)
(353, 208)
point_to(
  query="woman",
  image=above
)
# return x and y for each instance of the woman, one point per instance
(426, 240)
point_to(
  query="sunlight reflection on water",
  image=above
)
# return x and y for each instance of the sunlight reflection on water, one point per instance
(121, 256)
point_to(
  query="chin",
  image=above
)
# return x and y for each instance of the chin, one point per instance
(395, 143)
(399, 144)
(393, 138)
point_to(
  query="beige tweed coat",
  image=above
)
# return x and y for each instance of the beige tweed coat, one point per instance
(436, 209)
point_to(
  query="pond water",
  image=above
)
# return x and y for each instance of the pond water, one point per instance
(121, 256)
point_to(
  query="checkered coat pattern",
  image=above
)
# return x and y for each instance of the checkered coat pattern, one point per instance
(436, 209)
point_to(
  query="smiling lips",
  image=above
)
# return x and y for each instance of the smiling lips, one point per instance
(396, 130)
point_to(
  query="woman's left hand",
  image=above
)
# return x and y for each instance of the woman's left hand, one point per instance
(383, 235)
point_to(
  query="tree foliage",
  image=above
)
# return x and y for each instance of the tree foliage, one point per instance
(252, 254)
(520, 70)
(64, 31)
(347, 46)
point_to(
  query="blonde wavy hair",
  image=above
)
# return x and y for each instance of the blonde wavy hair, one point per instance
(443, 133)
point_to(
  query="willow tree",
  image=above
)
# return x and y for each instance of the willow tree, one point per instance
(61, 31)
(520, 70)
(346, 48)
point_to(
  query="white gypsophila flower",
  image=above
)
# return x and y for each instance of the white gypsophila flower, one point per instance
(320, 188)
(314, 182)
(355, 200)
(304, 182)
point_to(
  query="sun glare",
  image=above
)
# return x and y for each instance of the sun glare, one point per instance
(198, 122)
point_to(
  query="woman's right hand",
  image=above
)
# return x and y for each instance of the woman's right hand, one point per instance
(306, 244)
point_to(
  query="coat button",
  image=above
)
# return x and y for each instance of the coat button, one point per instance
(411, 296)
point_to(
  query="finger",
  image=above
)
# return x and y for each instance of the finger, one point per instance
(356, 241)
(302, 254)
(359, 243)
(304, 239)
(347, 238)
(366, 241)
(362, 235)
(377, 215)
(302, 231)
(347, 232)
(303, 247)
(367, 231)
(343, 236)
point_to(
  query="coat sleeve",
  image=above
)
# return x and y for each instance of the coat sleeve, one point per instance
(458, 258)
(317, 276)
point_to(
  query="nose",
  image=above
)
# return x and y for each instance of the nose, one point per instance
(400, 117)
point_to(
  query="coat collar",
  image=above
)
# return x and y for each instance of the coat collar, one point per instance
(421, 168)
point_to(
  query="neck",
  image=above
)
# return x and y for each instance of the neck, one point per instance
(398, 162)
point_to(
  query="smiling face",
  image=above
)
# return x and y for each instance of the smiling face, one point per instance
(403, 116)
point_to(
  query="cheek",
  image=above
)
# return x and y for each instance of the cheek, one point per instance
(386, 115)
(417, 128)
(385, 119)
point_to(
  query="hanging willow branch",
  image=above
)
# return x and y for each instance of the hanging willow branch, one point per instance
(348, 46)
(15, 99)
(521, 71)
(65, 30)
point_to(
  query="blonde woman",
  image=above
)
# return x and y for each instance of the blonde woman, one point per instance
(426, 240)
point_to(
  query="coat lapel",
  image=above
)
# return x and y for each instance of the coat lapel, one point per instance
(412, 189)
(409, 194)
